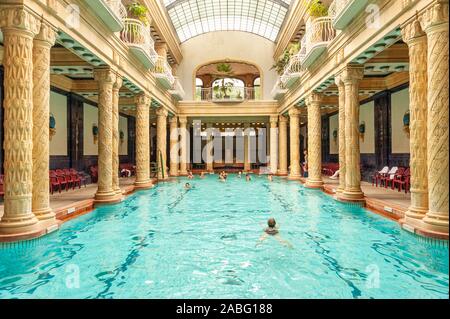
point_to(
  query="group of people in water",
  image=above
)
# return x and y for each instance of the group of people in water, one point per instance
(272, 229)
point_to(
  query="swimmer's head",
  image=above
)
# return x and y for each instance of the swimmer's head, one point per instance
(271, 222)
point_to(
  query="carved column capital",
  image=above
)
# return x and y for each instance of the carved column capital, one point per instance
(142, 99)
(46, 35)
(273, 121)
(182, 120)
(352, 74)
(118, 83)
(283, 119)
(436, 16)
(314, 97)
(411, 31)
(162, 112)
(173, 119)
(104, 76)
(19, 19)
(294, 112)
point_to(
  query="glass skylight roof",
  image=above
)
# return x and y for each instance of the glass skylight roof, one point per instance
(194, 17)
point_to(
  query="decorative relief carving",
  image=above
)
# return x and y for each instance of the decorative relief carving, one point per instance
(142, 139)
(116, 138)
(341, 90)
(19, 18)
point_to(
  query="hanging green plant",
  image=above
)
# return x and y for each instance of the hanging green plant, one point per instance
(139, 12)
(317, 9)
(283, 60)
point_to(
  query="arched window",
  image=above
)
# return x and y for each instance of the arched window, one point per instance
(198, 89)
(228, 88)
(257, 88)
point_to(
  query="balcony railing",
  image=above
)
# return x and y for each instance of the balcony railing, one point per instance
(319, 32)
(279, 90)
(163, 73)
(344, 11)
(111, 12)
(228, 94)
(177, 90)
(140, 42)
(293, 70)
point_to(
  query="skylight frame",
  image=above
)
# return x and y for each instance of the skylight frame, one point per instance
(191, 18)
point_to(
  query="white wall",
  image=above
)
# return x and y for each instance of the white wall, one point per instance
(58, 107)
(123, 127)
(366, 114)
(334, 125)
(399, 105)
(221, 45)
(90, 116)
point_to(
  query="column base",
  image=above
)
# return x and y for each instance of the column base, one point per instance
(435, 223)
(293, 177)
(19, 225)
(143, 184)
(422, 230)
(183, 173)
(351, 196)
(413, 217)
(174, 174)
(44, 214)
(313, 184)
(107, 198)
(118, 191)
(282, 172)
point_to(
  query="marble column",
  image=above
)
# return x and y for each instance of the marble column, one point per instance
(106, 79)
(174, 146)
(273, 144)
(351, 76)
(209, 148)
(341, 134)
(143, 179)
(41, 110)
(294, 126)
(416, 40)
(247, 163)
(19, 28)
(116, 135)
(282, 145)
(435, 21)
(161, 142)
(314, 141)
(183, 145)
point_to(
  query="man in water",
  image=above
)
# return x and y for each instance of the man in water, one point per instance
(247, 177)
(190, 175)
(187, 186)
(272, 230)
(269, 177)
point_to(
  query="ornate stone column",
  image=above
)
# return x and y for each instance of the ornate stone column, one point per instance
(294, 126)
(174, 146)
(417, 43)
(314, 141)
(435, 22)
(273, 144)
(209, 148)
(247, 164)
(183, 145)
(18, 27)
(143, 141)
(106, 79)
(341, 90)
(41, 110)
(116, 135)
(282, 145)
(351, 75)
(161, 144)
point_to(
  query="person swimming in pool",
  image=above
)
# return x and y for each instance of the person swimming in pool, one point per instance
(187, 186)
(190, 175)
(247, 177)
(270, 178)
(272, 230)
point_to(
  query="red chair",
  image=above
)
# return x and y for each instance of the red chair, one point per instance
(94, 173)
(2, 192)
(385, 179)
(378, 175)
(54, 182)
(78, 178)
(62, 179)
(69, 178)
(402, 180)
(389, 180)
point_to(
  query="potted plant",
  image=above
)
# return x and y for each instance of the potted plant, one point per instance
(224, 70)
(284, 59)
(317, 9)
(139, 12)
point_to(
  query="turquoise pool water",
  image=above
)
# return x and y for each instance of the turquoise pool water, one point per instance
(171, 243)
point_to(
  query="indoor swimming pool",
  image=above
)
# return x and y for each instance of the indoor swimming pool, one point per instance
(169, 242)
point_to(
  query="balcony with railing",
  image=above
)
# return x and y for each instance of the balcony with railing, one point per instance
(177, 90)
(138, 37)
(319, 32)
(227, 94)
(279, 90)
(344, 11)
(294, 68)
(111, 12)
(163, 73)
